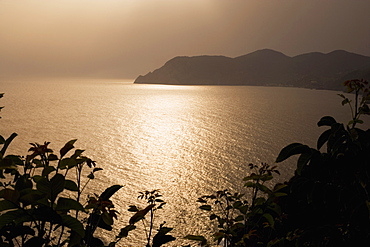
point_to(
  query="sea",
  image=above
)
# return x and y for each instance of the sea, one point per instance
(185, 141)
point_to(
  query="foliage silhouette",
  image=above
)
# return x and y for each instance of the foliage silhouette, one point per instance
(328, 197)
(326, 202)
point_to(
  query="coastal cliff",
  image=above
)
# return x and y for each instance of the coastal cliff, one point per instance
(263, 68)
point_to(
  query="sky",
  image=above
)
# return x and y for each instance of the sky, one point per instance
(126, 38)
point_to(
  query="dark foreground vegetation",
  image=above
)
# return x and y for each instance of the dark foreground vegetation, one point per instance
(326, 202)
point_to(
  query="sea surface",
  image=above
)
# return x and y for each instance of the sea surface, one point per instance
(186, 141)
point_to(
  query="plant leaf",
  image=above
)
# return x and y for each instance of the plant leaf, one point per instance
(324, 137)
(74, 224)
(197, 238)
(291, 149)
(66, 204)
(57, 185)
(140, 214)
(6, 205)
(47, 170)
(270, 219)
(326, 121)
(206, 207)
(302, 161)
(70, 185)
(124, 231)
(161, 237)
(68, 146)
(109, 192)
(6, 144)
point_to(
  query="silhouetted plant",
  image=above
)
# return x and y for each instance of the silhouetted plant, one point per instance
(243, 223)
(40, 204)
(328, 197)
(154, 203)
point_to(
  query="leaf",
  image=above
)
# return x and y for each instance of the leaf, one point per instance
(239, 218)
(324, 137)
(74, 239)
(133, 208)
(47, 170)
(364, 109)
(355, 121)
(37, 178)
(29, 196)
(7, 143)
(342, 96)
(97, 169)
(161, 237)
(250, 184)
(67, 163)
(196, 238)
(77, 153)
(243, 209)
(326, 121)
(212, 216)
(140, 214)
(68, 146)
(270, 219)
(23, 183)
(95, 220)
(159, 240)
(2, 140)
(14, 215)
(6, 205)
(107, 218)
(124, 231)
(109, 192)
(66, 204)
(52, 157)
(57, 185)
(291, 149)
(345, 101)
(10, 195)
(280, 194)
(275, 208)
(253, 176)
(70, 185)
(302, 162)
(278, 187)
(266, 177)
(7, 163)
(74, 224)
(206, 207)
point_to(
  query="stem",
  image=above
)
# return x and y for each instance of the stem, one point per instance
(60, 236)
(255, 192)
(49, 234)
(78, 170)
(151, 225)
(85, 185)
(146, 232)
(16, 240)
(356, 110)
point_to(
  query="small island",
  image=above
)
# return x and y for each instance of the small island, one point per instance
(263, 68)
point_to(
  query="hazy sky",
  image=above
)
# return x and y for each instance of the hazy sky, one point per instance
(126, 38)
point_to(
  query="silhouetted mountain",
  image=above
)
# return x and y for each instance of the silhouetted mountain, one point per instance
(263, 67)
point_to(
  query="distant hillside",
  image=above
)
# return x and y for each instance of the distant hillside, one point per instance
(264, 68)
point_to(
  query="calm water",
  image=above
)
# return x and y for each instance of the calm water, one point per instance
(186, 141)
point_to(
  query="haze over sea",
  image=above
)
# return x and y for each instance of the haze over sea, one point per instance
(186, 141)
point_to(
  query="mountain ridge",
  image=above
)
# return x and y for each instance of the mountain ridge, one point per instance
(264, 67)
